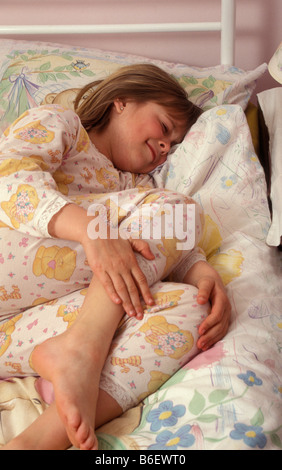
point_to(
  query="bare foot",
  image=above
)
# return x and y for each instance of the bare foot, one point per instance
(74, 369)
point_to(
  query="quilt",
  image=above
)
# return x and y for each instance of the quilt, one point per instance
(229, 397)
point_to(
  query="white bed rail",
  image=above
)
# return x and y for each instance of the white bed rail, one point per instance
(226, 26)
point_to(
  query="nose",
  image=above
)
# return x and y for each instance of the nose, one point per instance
(164, 146)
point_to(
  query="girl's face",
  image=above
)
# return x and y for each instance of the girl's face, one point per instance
(139, 136)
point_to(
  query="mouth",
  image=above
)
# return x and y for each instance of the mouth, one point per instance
(154, 155)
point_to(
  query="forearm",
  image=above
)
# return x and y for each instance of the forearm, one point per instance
(70, 223)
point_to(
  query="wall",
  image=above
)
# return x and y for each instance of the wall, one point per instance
(258, 28)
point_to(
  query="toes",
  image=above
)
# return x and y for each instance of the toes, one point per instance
(80, 433)
(86, 438)
(91, 443)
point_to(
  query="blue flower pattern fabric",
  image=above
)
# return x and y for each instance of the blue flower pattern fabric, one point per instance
(230, 397)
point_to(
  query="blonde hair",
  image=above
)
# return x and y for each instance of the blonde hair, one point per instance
(139, 83)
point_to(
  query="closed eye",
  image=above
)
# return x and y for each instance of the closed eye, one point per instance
(165, 128)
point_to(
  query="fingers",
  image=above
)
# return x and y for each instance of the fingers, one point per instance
(205, 287)
(115, 264)
(142, 247)
(216, 324)
(214, 334)
(125, 286)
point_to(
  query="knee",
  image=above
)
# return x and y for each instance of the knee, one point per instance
(178, 301)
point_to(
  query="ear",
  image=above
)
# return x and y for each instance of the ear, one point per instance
(119, 105)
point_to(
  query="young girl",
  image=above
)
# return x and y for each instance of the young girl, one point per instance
(55, 164)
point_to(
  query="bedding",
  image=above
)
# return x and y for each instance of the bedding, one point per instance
(32, 73)
(229, 397)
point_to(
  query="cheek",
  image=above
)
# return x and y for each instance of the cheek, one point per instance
(163, 160)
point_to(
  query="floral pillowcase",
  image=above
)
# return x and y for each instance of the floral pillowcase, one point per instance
(34, 73)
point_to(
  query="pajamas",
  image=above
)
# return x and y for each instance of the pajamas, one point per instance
(46, 162)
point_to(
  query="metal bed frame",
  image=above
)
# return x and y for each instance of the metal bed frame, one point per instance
(226, 26)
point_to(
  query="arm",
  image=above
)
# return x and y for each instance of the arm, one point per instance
(207, 280)
(112, 260)
(31, 151)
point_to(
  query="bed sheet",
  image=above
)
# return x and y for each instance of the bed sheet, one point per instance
(229, 397)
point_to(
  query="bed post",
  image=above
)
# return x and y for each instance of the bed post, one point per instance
(228, 14)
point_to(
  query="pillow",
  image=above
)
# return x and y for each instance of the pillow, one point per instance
(32, 73)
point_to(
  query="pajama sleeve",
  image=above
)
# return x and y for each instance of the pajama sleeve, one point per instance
(186, 264)
(32, 151)
(196, 253)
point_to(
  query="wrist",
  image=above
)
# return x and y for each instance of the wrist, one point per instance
(199, 270)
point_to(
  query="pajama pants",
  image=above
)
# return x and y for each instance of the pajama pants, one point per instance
(44, 282)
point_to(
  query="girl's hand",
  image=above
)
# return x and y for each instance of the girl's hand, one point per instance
(112, 260)
(115, 264)
(215, 326)
(210, 289)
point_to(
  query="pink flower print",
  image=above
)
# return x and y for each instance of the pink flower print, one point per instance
(70, 308)
(1, 258)
(2, 338)
(23, 204)
(29, 179)
(32, 133)
(170, 342)
(23, 242)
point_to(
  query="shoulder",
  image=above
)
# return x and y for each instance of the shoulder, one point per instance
(56, 110)
(56, 115)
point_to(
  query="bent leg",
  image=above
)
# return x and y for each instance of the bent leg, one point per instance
(69, 367)
(70, 359)
(48, 432)
(146, 353)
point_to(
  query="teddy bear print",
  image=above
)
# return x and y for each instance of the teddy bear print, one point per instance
(34, 133)
(6, 330)
(22, 205)
(63, 181)
(167, 339)
(13, 165)
(55, 262)
(69, 313)
(107, 178)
